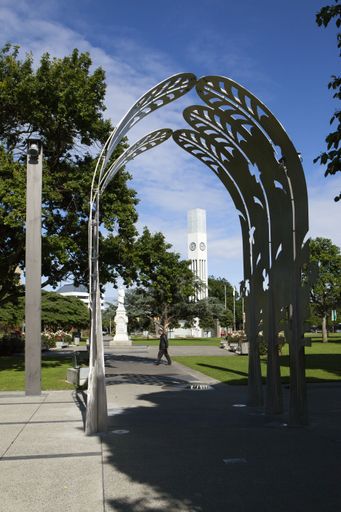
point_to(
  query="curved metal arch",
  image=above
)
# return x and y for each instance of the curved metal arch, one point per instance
(235, 117)
(244, 134)
(210, 124)
(231, 104)
(163, 93)
(256, 149)
(221, 92)
(214, 150)
(158, 96)
(227, 161)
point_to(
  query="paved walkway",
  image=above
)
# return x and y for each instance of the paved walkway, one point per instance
(177, 441)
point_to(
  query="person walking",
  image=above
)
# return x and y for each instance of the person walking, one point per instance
(163, 348)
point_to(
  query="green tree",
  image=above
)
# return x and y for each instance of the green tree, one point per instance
(332, 157)
(211, 310)
(221, 289)
(59, 312)
(165, 281)
(12, 315)
(12, 221)
(62, 100)
(325, 295)
(108, 316)
(140, 317)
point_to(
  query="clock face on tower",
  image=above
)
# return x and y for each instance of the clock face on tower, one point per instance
(192, 246)
(202, 246)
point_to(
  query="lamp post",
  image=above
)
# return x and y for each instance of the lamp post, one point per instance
(33, 267)
(234, 308)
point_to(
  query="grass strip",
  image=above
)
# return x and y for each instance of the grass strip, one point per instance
(323, 364)
(53, 373)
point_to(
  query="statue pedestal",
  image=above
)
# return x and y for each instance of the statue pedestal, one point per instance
(121, 338)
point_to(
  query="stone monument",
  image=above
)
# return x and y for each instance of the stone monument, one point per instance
(121, 321)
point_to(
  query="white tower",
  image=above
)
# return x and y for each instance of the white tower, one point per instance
(197, 247)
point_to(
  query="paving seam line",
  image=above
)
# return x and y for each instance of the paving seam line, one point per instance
(103, 487)
(23, 427)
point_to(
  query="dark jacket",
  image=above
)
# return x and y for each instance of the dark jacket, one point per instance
(163, 342)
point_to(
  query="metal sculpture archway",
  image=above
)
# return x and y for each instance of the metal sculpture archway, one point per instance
(247, 148)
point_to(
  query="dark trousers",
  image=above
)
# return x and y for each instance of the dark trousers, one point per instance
(163, 352)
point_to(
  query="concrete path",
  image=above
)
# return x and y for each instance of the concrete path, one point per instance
(177, 441)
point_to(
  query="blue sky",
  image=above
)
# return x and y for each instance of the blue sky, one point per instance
(274, 49)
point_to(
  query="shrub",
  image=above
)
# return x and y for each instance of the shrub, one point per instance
(12, 344)
(47, 342)
(236, 337)
(263, 346)
(49, 338)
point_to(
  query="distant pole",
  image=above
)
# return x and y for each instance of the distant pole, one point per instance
(234, 308)
(243, 313)
(225, 294)
(33, 268)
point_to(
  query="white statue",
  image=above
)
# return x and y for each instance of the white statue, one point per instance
(121, 322)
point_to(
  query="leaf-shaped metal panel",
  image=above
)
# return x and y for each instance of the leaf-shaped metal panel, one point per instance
(150, 141)
(237, 126)
(222, 93)
(163, 93)
(219, 137)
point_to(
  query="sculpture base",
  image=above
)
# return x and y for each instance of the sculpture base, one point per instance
(120, 342)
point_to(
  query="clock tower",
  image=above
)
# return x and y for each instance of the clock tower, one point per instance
(197, 247)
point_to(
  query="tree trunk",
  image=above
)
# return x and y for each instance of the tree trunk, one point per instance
(324, 329)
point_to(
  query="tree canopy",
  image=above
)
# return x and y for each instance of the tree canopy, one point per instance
(222, 290)
(332, 156)
(12, 315)
(146, 305)
(165, 280)
(62, 100)
(59, 312)
(326, 293)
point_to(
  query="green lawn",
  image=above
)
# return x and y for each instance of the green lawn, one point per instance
(317, 336)
(53, 373)
(323, 363)
(175, 342)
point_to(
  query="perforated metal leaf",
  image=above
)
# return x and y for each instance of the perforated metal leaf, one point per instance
(162, 94)
(150, 141)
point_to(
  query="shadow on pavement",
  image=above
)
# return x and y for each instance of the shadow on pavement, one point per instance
(204, 451)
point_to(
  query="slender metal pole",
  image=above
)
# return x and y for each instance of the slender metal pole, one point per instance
(234, 308)
(33, 269)
(243, 313)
